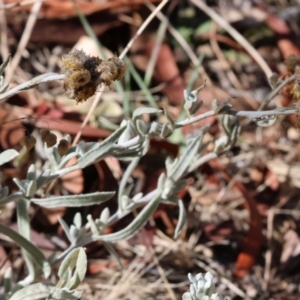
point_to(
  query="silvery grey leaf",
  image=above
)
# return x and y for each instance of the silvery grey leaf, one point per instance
(220, 144)
(139, 221)
(265, 122)
(24, 230)
(7, 280)
(73, 234)
(79, 149)
(43, 178)
(77, 220)
(168, 189)
(136, 198)
(31, 189)
(166, 131)
(65, 159)
(31, 84)
(192, 107)
(68, 138)
(3, 88)
(161, 181)
(65, 294)
(36, 254)
(80, 269)
(155, 128)
(104, 215)
(192, 104)
(65, 228)
(234, 135)
(34, 291)
(220, 108)
(125, 179)
(141, 127)
(74, 200)
(4, 64)
(124, 203)
(13, 197)
(228, 123)
(187, 296)
(19, 183)
(76, 260)
(187, 157)
(7, 156)
(128, 134)
(172, 123)
(170, 164)
(144, 110)
(101, 151)
(181, 219)
(51, 156)
(96, 230)
(31, 172)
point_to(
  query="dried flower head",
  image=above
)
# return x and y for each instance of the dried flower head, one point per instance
(111, 70)
(84, 73)
(48, 137)
(63, 147)
(28, 142)
(293, 66)
(291, 62)
(81, 75)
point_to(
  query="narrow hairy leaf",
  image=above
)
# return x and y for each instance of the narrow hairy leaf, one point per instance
(31, 84)
(74, 200)
(145, 110)
(80, 270)
(31, 173)
(66, 294)
(101, 150)
(7, 156)
(125, 178)
(187, 157)
(181, 219)
(77, 260)
(135, 226)
(36, 254)
(32, 292)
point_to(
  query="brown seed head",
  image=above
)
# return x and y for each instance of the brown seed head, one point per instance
(63, 147)
(84, 73)
(28, 142)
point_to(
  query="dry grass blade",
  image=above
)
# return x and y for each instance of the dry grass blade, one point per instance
(24, 40)
(236, 35)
